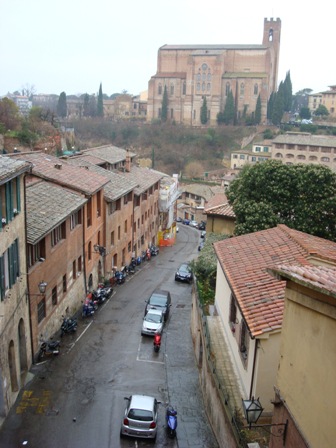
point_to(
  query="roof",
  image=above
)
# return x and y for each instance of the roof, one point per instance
(219, 205)
(10, 168)
(59, 171)
(117, 185)
(320, 278)
(306, 139)
(205, 47)
(245, 261)
(109, 153)
(204, 191)
(144, 178)
(48, 205)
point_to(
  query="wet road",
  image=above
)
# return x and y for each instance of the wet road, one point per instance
(77, 399)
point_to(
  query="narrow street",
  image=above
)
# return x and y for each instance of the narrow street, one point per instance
(77, 399)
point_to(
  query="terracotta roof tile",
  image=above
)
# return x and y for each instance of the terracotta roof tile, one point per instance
(59, 171)
(245, 261)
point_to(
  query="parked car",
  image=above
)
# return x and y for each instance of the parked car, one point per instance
(160, 299)
(178, 219)
(177, 229)
(186, 221)
(193, 224)
(201, 245)
(184, 273)
(141, 416)
(203, 233)
(152, 322)
(201, 225)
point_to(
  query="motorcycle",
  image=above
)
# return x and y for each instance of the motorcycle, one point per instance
(154, 250)
(130, 269)
(48, 348)
(68, 325)
(157, 342)
(171, 419)
(120, 276)
(138, 260)
(101, 294)
(148, 254)
(143, 255)
(89, 307)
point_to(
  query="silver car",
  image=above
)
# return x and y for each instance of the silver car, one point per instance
(140, 419)
(153, 322)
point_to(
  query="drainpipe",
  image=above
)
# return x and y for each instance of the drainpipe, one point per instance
(256, 346)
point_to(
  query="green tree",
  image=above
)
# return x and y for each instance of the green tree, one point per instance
(321, 111)
(257, 117)
(164, 111)
(100, 103)
(278, 107)
(62, 109)
(270, 105)
(86, 102)
(204, 111)
(229, 109)
(9, 114)
(301, 196)
(305, 113)
(288, 93)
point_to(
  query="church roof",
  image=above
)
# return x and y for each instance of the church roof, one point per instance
(213, 47)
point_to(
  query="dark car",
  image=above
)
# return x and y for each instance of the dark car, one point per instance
(201, 225)
(184, 273)
(186, 221)
(160, 300)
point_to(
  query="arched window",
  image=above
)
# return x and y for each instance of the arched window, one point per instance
(203, 86)
(172, 89)
(289, 156)
(242, 89)
(208, 86)
(209, 76)
(270, 35)
(198, 76)
(278, 155)
(325, 159)
(301, 157)
(312, 158)
(255, 90)
(184, 88)
(198, 87)
(160, 89)
(227, 89)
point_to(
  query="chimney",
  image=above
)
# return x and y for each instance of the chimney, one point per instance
(58, 166)
(128, 162)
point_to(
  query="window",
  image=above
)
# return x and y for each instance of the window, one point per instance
(125, 226)
(74, 271)
(242, 157)
(58, 234)
(255, 89)
(90, 250)
(10, 203)
(9, 268)
(64, 283)
(243, 343)
(79, 264)
(242, 89)
(75, 219)
(171, 113)
(36, 252)
(257, 149)
(325, 159)
(129, 247)
(301, 157)
(114, 206)
(227, 89)
(99, 196)
(41, 310)
(89, 213)
(160, 89)
(312, 158)
(233, 311)
(118, 232)
(171, 89)
(54, 296)
(184, 88)
(112, 238)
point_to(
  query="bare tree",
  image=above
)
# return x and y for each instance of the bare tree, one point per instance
(28, 90)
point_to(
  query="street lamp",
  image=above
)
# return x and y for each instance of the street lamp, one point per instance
(42, 287)
(253, 410)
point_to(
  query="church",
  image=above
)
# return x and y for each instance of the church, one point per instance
(191, 73)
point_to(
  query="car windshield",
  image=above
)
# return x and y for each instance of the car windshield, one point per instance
(184, 268)
(151, 317)
(158, 300)
(142, 415)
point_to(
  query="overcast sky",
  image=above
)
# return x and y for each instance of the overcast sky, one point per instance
(74, 45)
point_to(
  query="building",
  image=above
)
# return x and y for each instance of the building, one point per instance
(305, 391)
(191, 73)
(261, 151)
(191, 202)
(250, 301)
(220, 217)
(15, 335)
(303, 147)
(326, 98)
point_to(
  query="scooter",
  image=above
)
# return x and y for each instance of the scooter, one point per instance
(154, 250)
(120, 276)
(68, 325)
(48, 348)
(157, 342)
(101, 294)
(89, 307)
(171, 419)
(148, 254)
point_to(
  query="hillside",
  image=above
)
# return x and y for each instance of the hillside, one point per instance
(174, 149)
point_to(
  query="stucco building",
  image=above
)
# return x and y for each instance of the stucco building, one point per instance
(193, 72)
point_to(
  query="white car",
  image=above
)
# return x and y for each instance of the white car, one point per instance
(140, 419)
(152, 322)
(193, 224)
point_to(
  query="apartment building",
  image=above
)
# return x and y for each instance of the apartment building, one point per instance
(15, 347)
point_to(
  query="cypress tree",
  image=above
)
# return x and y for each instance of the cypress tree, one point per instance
(229, 109)
(164, 111)
(257, 116)
(288, 93)
(62, 106)
(100, 104)
(204, 111)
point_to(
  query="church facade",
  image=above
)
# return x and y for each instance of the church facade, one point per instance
(192, 72)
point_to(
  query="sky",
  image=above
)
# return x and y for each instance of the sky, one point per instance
(72, 46)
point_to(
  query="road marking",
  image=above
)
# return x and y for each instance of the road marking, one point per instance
(73, 344)
(148, 360)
